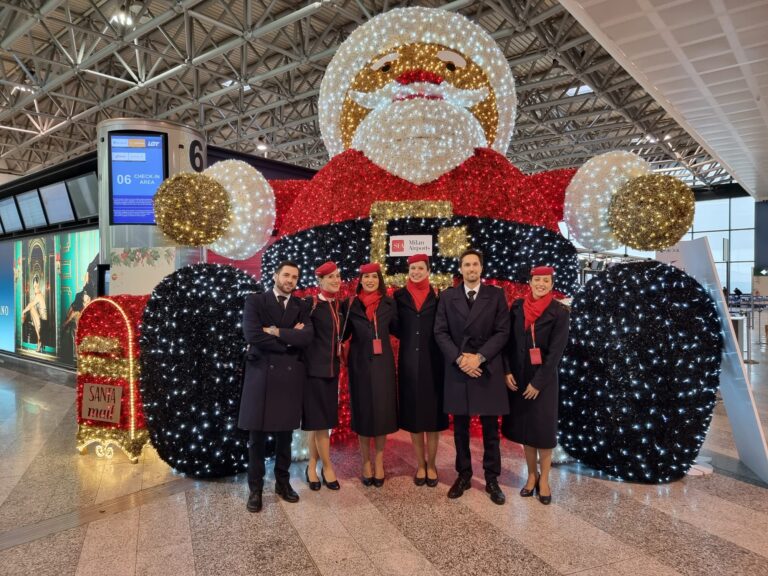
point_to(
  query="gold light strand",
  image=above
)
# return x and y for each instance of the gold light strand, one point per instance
(100, 344)
(192, 209)
(651, 212)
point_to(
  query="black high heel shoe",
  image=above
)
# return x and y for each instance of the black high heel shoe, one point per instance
(420, 481)
(525, 493)
(330, 485)
(432, 482)
(546, 500)
(378, 482)
(312, 485)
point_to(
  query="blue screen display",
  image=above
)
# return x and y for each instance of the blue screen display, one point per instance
(137, 168)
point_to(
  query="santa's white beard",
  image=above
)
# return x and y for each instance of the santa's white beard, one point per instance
(419, 140)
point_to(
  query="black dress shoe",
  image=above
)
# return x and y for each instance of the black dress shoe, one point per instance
(330, 485)
(285, 492)
(432, 482)
(367, 480)
(312, 485)
(254, 501)
(546, 500)
(497, 496)
(420, 480)
(378, 482)
(459, 486)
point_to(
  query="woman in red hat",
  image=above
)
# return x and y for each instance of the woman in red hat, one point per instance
(536, 344)
(420, 376)
(321, 387)
(369, 318)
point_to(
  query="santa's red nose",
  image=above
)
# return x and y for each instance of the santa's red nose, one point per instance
(411, 76)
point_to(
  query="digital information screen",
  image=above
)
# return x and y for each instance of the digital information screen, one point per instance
(10, 216)
(56, 201)
(31, 209)
(84, 191)
(137, 166)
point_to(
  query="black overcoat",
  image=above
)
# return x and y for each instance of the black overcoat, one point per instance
(484, 329)
(420, 366)
(321, 358)
(372, 385)
(274, 372)
(534, 422)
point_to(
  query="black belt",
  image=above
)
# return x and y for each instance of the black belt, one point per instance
(510, 249)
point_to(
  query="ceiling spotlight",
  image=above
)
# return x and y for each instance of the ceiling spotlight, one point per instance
(261, 145)
(122, 17)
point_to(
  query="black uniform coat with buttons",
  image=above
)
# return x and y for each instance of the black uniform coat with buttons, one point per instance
(274, 372)
(372, 384)
(321, 358)
(482, 329)
(420, 365)
(534, 422)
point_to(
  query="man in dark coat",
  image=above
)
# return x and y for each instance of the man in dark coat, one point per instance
(472, 328)
(276, 327)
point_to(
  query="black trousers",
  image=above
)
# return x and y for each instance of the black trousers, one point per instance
(491, 451)
(257, 447)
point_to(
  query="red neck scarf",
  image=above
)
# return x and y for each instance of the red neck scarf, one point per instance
(532, 308)
(418, 291)
(328, 295)
(371, 301)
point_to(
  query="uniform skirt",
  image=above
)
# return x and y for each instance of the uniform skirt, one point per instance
(321, 403)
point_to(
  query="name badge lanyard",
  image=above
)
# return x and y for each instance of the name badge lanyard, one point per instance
(534, 352)
(377, 348)
(334, 305)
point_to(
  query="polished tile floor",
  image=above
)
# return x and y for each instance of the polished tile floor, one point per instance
(62, 513)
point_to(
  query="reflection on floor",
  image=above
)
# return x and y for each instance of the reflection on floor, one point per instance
(62, 513)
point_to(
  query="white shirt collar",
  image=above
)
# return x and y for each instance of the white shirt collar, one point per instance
(476, 289)
(277, 293)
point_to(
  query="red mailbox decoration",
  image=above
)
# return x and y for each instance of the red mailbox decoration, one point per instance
(109, 410)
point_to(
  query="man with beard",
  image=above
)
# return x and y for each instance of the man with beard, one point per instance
(276, 327)
(471, 329)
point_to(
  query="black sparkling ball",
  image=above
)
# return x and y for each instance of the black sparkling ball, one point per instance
(191, 360)
(640, 373)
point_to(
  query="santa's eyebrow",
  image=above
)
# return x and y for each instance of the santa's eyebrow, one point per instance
(384, 60)
(450, 56)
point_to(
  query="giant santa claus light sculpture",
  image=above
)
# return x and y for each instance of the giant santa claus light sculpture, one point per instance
(416, 110)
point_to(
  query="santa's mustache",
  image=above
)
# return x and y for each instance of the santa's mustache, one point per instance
(396, 92)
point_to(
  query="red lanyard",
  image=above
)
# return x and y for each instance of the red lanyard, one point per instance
(375, 325)
(533, 333)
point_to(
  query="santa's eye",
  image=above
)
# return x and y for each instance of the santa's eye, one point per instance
(385, 62)
(453, 60)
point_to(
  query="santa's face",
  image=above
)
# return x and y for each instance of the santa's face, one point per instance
(419, 111)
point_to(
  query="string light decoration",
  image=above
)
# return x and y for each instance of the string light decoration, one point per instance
(192, 209)
(640, 373)
(416, 39)
(652, 212)
(253, 209)
(107, 343)
(589, 195)
(192, 349)
(510, 249)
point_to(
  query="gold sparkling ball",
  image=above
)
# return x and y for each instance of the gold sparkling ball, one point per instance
(651, 212)
(192, 209)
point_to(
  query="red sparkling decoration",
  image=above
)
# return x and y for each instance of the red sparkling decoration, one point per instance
(100, 318)
(486, 185)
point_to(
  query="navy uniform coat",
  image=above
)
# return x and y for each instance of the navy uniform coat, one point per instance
(274, 372)
(372, 385)
(420, 365)
(534, 422)
(484, 329)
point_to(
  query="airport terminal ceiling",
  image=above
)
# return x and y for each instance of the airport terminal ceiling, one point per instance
(248, 72)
